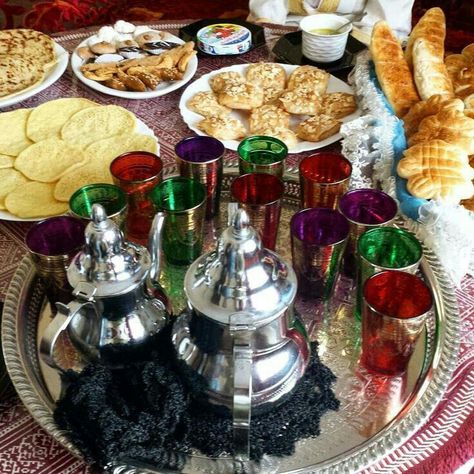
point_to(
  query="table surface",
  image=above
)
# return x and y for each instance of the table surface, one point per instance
(442, 444)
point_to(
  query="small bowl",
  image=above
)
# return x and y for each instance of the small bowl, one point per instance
(319, 46)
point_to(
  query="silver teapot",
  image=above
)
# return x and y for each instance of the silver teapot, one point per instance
(119, 305)
(240, 337)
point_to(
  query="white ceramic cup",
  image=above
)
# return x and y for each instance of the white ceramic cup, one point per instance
(324, 48)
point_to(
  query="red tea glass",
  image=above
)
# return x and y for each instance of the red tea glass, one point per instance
(394, 311)
(324, 178)
(137, 173)
(364, 209)
(260, 195)
(201, 158)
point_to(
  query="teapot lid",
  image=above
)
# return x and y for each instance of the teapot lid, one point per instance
(240, 276)
(113, 265)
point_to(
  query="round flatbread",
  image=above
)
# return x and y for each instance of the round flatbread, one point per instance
(27, 43)
(48, 160)
(6, 161)
(34, 200)
(89, 173)
(106, 150)
(11, 179)
(18, 73)
(96, 123)
(47, 120)
(13, 139)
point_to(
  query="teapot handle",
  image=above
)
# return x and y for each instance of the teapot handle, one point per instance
(85, 297)
(241, 329)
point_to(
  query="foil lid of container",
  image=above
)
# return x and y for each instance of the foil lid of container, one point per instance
(108, 262)
(240, 276)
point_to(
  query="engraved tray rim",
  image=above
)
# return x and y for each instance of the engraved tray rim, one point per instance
(420, 405)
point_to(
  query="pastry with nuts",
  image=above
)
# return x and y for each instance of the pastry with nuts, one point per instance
(223, 128)
(205, 103)
(240, 95)
(271, 77)
(338, 104)
(318, 128)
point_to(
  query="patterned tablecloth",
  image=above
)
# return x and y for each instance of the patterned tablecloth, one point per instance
(444, 443)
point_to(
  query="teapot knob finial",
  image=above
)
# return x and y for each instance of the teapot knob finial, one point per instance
(240, 222)
(98, 214)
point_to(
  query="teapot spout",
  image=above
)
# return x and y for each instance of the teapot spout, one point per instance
(154, 247)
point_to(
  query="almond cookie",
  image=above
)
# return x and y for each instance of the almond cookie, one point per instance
(338, 104)
(205, 103)
(268, 117)
(301, 101)
(223, 128)
(318, 128)
(240, 95)
(310, 77)
(271, 77)
(219, 81)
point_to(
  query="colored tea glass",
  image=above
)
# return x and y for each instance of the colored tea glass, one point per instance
(364, 209)
(260, 195)
(52, 244)
(201, 158)
(111, 197)
(385, 248)
(183, 201)
(261, 154)
(324, 178)
(137, 173)
(318, 239)
(395, 307)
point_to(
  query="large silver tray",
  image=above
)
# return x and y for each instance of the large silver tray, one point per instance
(377, 414)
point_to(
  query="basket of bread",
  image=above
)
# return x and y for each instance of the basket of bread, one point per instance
(415, 138)
(434, 96)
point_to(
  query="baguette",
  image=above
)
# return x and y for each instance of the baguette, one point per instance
(392, 69)
(432, 28)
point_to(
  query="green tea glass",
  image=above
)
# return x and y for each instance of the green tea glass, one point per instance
(260, 154)
(183, 201)
(385, 248)
(111, 197)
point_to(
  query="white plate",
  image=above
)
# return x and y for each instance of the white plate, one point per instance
(141, 128)
(202, 84)
(162, 88)
(51, 77)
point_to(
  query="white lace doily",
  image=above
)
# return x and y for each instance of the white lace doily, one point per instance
(368, 143)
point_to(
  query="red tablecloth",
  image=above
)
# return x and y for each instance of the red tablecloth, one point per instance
(443, 444)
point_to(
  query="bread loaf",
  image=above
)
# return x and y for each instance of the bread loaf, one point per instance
(437, 170)
(392, 69)
(432, 28)
(429, 71)
(452, 126)
(425, 108)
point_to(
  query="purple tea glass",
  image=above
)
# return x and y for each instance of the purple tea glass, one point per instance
(318, 238)
(364, 209)
(52, 244)
(201, 158)
(260, 195)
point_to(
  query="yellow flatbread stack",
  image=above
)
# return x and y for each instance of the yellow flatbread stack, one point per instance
(49, 152)
(25, 57)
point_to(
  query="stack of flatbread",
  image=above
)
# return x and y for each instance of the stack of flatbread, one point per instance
(49, 152)
(25, 57)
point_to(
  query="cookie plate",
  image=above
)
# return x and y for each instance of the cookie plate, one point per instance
(202, 85)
